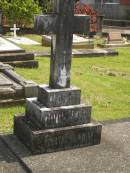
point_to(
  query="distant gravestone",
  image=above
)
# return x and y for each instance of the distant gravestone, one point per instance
(15, 29)
(16, 56)
(56, 120)
(114, 37)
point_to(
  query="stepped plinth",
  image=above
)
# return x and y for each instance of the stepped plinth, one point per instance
(47, 129)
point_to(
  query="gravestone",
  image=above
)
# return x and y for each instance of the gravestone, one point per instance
(15, 56)
(13, 88)
(56, 120)
(15, 29)
(115, 39)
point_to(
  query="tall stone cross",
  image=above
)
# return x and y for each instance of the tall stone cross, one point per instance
(15, 29)
(62, 24)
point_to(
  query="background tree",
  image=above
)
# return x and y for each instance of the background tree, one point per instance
(46, 5)
(20, 12)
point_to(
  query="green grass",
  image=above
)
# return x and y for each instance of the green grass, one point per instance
(104, 82)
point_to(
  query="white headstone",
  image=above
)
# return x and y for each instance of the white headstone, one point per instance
(15, 29)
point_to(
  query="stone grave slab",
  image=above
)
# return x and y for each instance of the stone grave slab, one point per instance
(78, 53)
(114, 39)
(56, 120)
(23, 40)
(78, 42)
(15, 56)
(6, 46)
(13, 88)
(111, 156)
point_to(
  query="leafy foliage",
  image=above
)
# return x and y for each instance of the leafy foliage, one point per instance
(87, 9)
(46, 5)
(20, 12)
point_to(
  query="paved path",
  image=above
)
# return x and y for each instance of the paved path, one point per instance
(8, 162)
(111, 156)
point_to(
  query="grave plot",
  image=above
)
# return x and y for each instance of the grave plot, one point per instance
(13, 88)
(82, 47)
(56, 120)
(15, 56)
(23, 40)
(78, 42)
(114, 39)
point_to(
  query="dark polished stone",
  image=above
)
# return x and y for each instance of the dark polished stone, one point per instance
(57, 117)
(62, 24)
(58, 97)
(51, 140)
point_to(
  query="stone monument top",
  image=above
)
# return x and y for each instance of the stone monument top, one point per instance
(62, 25)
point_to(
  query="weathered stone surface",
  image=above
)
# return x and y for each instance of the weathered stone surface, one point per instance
(114, 39)
(30, 89)
(14, 88)
(25, 64)
(115, 36)
(47, 24)
(57, 117)
(4, 81)
(16, 57)
(98, 52)
(44, 141)
(62, 27)
(58, 97)
(6, 93)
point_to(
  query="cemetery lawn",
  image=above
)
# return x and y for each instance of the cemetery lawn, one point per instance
(104, 82)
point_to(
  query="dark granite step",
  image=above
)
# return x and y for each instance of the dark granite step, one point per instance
(16, 57)
(57, 139)
(25, 64)
(63, 116)
(58, 97)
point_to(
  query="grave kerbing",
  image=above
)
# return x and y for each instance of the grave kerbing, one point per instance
(13, 88)
(56, 120)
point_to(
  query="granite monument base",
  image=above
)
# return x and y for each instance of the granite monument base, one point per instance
(56, 139)
(56, 121)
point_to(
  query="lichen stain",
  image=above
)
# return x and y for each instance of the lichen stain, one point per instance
(63, 77)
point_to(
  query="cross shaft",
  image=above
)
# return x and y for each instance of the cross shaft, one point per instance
(62, 24)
